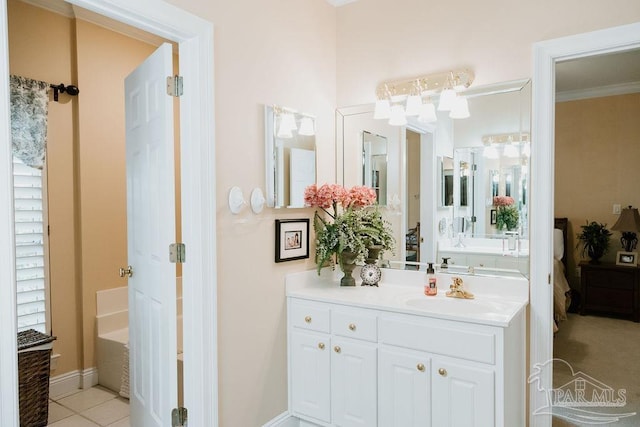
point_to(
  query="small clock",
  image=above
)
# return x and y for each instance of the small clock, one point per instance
(370, 275)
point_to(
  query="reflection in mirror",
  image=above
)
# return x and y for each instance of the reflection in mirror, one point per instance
(374, 164)
(456, 218)
(290, 156)
(446, 181)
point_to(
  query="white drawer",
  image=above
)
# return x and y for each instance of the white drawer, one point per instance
(354, 323)
(310, 316)
(433, 336)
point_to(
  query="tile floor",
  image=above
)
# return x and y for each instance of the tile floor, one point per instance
(94, 407)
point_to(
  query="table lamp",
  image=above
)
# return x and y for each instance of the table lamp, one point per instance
(628, 224)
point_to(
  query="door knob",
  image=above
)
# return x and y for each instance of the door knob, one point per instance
(126, 271)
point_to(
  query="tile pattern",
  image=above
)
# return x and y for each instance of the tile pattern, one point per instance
(94, 407)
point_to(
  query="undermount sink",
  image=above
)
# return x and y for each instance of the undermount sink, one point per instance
(456, 305)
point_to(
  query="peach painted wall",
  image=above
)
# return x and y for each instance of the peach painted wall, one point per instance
(41, 47)
(596, 164)
(381, 40)
(265, 52)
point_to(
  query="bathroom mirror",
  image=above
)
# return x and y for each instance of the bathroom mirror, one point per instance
(374, 164)
(445, 185)
(452, 161)
(290, 156)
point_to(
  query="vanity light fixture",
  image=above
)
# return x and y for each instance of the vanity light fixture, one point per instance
(286, 123)
(510, 142)
(413, 97)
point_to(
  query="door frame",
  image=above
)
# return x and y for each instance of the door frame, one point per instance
(194, 36)
(545, 56)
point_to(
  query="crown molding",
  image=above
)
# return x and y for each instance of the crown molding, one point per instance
(338, 3)
(59, 7)
(597, 92)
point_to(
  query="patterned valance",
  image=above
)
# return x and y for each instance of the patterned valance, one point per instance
(29, 103)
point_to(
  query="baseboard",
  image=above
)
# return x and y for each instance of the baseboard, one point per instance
(283, 420)
(89, 377)
(72, 381)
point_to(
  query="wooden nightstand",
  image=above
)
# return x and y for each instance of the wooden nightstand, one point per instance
(610, 289)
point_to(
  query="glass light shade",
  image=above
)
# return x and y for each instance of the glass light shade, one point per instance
(413, 105)
(427, 113)
(490, 152)
(397, 116)
(307, 126)
(526, 149)
(284, 132)
(460, 109)
(511, 150)
(383, 109)
(288, 122)
(447, 97)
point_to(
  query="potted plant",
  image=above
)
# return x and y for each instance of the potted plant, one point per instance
(594, 240)
(376, 232)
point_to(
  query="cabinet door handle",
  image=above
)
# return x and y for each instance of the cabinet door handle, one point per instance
(420, 367)
(442, 372)
(352, 326)
(321, 346)
(307, 319)
(337, 349)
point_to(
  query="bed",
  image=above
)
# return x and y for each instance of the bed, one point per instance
(561, 289)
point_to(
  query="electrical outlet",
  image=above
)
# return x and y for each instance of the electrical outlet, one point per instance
(616, 209)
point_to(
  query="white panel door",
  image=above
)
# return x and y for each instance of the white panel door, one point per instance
(353, 383)
(463, 396)
(404, 395)
(310, 370)
(302, 167)
(150, 231)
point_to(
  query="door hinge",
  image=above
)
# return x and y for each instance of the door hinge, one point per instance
(177, 253)
(474, 167)
(174, 86)
(179, 417)
(549, 279)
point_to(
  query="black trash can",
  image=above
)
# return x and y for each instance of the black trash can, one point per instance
(34, 363)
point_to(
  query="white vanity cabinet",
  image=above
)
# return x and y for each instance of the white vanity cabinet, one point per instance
(354, 366)
(333, 376)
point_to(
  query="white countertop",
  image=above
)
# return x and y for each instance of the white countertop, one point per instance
(497, 300)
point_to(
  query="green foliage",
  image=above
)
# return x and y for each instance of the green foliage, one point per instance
(354, 231)
(507, 217)
(594, 239)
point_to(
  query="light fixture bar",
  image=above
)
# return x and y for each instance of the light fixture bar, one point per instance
(505, 138)
(428, 84)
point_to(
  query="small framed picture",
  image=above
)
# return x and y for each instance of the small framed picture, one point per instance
(292, 239)
(627, 258)
(494, 216)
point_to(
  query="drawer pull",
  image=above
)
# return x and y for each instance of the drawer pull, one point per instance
(352, 326)
(321, 346)
(307, 319)
(442, 372)
(337, 349)
(420, 367)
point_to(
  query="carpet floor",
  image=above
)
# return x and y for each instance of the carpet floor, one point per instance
(601, 354)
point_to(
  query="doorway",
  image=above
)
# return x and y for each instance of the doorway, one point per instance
(546, 55)
(195, 38)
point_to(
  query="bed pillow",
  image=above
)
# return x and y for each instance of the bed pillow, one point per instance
(558, 244)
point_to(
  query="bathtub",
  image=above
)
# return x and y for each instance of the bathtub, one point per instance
(112, 325)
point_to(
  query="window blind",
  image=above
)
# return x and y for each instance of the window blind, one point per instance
(31, 266)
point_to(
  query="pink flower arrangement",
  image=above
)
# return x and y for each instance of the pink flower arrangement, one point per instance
(331, 195)
(502, 201)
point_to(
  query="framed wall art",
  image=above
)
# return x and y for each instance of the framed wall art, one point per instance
(292, 239)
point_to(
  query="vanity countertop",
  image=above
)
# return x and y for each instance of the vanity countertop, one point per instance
(497, 300)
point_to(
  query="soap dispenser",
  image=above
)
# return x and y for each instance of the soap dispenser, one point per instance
(431, 288)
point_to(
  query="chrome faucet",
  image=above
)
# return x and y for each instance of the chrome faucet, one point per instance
(459, 243)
